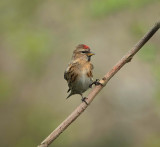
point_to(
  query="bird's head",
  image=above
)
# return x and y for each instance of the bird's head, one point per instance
(82, 51)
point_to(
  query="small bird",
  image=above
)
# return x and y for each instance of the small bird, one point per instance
(78, 74)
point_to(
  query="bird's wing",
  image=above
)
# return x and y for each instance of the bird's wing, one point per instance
(71, 74)
(65, 75)
(89, 73)
(67, 72)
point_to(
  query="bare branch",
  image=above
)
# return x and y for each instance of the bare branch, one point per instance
(125, 59)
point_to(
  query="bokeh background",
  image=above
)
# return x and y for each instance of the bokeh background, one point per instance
(36, 43)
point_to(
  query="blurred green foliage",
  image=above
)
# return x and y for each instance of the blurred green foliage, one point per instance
(33, 47)
(149, 53)
(106, 7)
(153, 141)
(15, 14)
(138, 30)
(6, 88)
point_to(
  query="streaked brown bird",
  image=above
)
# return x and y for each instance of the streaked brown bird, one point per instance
(78, 74)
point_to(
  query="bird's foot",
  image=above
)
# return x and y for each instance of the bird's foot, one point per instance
(96, 82)
(84, 100)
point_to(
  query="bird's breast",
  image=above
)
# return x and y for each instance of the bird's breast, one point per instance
(84, 81)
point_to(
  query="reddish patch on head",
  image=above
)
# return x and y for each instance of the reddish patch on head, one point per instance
(85, 46)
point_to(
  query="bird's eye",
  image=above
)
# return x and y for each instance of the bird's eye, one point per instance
(85, 52)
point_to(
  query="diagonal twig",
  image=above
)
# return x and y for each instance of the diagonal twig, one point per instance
(125, 59)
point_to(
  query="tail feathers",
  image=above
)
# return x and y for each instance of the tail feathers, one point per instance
(69, 95)
(68, 90)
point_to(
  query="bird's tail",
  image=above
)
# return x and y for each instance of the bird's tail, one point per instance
(69, 95)
(68, 90)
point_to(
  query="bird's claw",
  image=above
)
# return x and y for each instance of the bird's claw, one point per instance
(84, 100)
(96, 82)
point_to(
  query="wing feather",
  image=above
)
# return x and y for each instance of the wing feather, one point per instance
(71, 74)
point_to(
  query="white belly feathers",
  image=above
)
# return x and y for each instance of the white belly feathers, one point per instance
(83, 81)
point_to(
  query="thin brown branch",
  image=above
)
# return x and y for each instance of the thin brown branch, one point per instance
(126, 58)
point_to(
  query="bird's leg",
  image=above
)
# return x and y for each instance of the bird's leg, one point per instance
(96, 82)
(84, 99)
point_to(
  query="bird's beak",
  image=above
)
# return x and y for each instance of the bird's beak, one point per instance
(90, 54)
